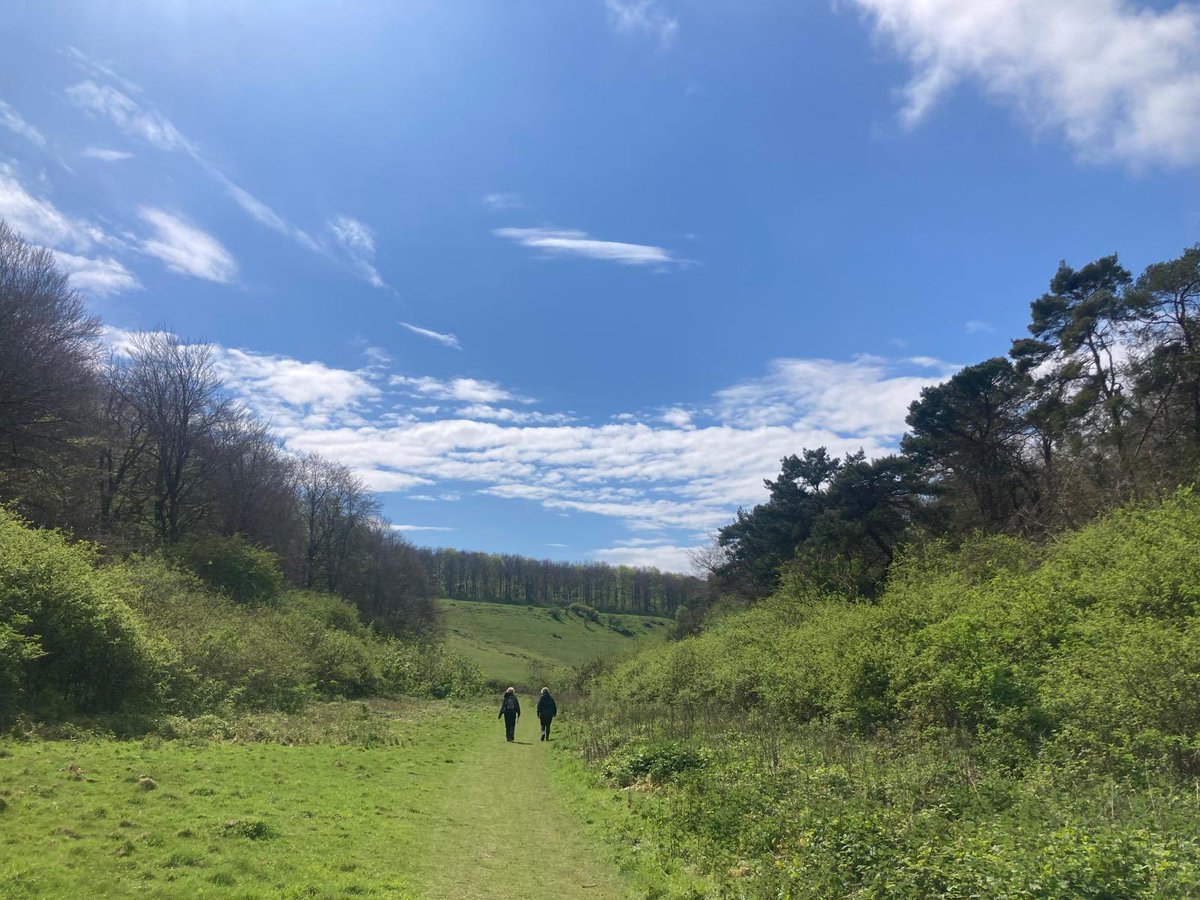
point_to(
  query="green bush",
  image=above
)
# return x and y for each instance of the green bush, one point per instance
(67, 640)
(231, 566)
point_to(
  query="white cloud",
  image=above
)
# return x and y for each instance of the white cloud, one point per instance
(516, 416)
(466, 390)
(569, 242)
(1119, 81)
(40, 221)
(448, 340)
(666, 481)
(503, 200)
(186, 249)
(866, 396)
(98, 277)
(128, 115)
(359, 243)
(11, 119)
(421, 528)
(667, 557)
(677, 416)
(643, 15)
(978, 326)
(105, 155)
(290, 390)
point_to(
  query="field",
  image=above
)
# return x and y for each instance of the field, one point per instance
(388, 800)
(510, 643)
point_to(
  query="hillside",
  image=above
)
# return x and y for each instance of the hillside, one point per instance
(511, 643)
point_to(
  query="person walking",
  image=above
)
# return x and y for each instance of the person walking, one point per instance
(510, 710)
(547, 709)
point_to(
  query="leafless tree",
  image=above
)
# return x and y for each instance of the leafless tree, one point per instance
(175, 389)
(48, 349)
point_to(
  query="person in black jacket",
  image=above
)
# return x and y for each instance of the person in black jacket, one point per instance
(547, 709)
(510, 709)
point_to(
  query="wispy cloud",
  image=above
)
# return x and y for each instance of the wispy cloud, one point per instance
(186, 249)
(128, 115)
(466, 390)
(447, 340)
(12, 120)
(503, 200)
(420, 528)
(39, 220)
(978, 326)
(143, 122)
(570, 242)
(358, 241)
(1120, 81)
(105, 155)
(645, 16)
(98, 277)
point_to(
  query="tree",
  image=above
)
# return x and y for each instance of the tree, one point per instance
(175, 390)
(1080, 330)
(48, 349)
(758, 542)
(1166, 300)
(971, 436)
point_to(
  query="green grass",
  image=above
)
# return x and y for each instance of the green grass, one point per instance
(416, 800)
(511, 643)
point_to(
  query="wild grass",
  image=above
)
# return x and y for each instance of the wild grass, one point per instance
(331, 803)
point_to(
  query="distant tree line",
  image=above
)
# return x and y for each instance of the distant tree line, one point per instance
(1100, 405)
(506, 578)
(144, 449)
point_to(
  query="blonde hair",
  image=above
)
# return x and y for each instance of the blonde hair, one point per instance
(510, 691)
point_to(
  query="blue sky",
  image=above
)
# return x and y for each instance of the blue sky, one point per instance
(568, 279)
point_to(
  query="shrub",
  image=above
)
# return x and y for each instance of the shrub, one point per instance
(231, 566)
(67, 637)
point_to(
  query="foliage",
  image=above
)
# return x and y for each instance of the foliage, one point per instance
(66, 637)
(144, 635)
(1009, 719)
(232, 566)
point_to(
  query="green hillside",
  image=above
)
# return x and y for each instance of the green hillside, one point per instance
(509, 642)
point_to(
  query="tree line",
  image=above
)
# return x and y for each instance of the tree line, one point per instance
(1098, 406)
(507, 578)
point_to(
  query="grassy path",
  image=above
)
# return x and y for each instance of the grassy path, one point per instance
(422, 800)
(504, 832)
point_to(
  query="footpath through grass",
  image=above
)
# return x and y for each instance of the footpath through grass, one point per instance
(414, 800)
(512, 644)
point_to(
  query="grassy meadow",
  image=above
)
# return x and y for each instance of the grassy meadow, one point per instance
(512, 644)
(412, 799)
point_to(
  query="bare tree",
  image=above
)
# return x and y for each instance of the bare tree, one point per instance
(48, 349)
(175, 389)
(334, 503)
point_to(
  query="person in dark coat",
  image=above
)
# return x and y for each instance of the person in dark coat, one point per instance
(510, 709)
(547, 709)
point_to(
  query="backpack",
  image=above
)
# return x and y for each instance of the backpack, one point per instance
(510, 703)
